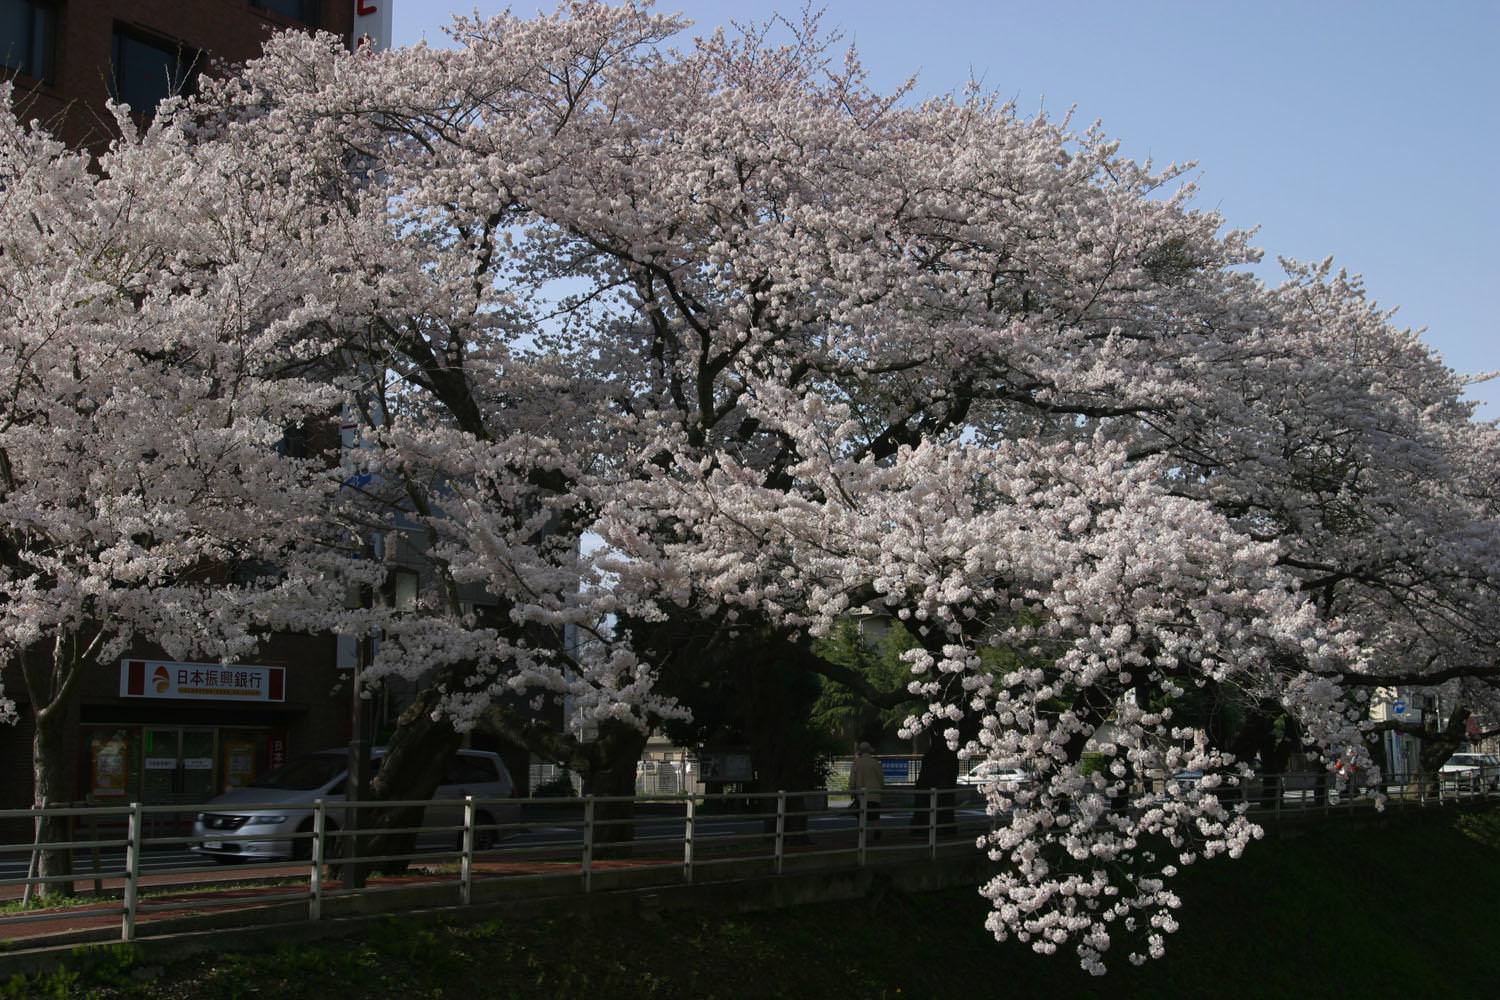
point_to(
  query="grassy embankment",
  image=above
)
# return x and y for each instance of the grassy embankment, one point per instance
(1403, 909)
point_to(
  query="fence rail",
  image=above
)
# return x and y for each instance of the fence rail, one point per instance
(678, 838)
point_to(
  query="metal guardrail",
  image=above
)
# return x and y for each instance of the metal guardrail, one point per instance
(552, 838)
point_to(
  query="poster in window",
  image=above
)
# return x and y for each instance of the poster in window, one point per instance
(109, 764)
(239, 762)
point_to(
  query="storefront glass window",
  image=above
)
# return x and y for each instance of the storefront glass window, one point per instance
(243, 754)
(112, 757)
(170, 764)
(159, 765)
(196, 782)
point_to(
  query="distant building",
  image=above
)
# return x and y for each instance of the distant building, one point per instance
(146, 728)
(67, 57)
(1402, 750)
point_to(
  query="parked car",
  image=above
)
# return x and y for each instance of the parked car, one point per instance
(1471, 771)
(277, 805)
(1006, 778)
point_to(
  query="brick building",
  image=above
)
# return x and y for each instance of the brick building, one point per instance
(145, 728)
(67, 57)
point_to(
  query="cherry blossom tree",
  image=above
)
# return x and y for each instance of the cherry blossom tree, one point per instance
(789, 346)
(153, 342)
(478, 444)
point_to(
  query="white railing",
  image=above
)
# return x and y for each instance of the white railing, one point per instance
(137, 872)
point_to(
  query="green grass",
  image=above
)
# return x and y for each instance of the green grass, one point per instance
(1401, 909)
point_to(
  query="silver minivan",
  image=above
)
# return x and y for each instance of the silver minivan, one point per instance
(280, 804)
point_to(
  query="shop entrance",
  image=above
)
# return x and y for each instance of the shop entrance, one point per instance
(178, 765)
(172, 765)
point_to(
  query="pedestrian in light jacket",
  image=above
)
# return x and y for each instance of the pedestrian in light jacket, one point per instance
(866, 775)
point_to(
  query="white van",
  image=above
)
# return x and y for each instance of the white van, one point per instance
(280, 804)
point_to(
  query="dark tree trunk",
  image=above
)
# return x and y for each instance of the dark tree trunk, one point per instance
(612, 762)
(411, 770)
(778, 699)
(51, 676)
(940, 769)
(1440, 744)
(781, 774)
(1258, 738)
(606, 764)
(52, 787)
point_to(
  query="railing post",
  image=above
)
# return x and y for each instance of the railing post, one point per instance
(315, 875)
(932, 803)
(94, 849)
(466, 860)
(863, 804)
(687, 839)
(1280, 794)
(780, 830)
(588, 843)
(132, 872)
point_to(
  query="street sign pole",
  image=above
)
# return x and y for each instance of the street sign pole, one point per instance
(358, 783)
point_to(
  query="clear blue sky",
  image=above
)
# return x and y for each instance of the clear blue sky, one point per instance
(1367, 130)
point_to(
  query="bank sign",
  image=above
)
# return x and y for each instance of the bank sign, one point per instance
(201, 681)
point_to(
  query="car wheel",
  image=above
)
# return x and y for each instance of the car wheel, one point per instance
(485, 838)
(302, 846)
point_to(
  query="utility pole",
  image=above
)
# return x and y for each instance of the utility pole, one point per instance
(358, 784)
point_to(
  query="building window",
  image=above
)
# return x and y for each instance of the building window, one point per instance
(147, 70)
(405, 588)
(28, 29)
(305, 11)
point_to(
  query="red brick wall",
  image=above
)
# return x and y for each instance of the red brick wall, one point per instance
(227, 29)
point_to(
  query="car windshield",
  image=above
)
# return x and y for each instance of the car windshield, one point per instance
(305, 773)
